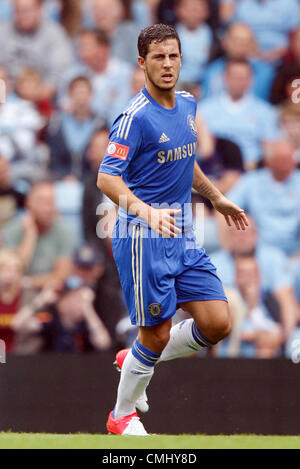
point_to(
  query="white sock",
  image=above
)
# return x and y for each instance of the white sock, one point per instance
(185, 339)
(135, 377)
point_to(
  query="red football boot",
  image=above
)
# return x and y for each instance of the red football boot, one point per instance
(128, 425)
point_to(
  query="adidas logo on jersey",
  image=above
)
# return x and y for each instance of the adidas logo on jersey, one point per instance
(163, 138)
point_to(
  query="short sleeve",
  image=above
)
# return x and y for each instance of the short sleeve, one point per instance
(125, 140)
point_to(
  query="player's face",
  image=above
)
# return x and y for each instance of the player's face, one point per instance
(162, 64)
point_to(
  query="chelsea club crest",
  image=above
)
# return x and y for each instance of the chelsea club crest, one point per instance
(192, 124)
(155, 309)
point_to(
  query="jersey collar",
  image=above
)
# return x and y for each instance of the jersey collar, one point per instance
(156, 104)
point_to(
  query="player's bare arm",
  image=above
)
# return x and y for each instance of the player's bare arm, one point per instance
(231, 211)
(160, 220)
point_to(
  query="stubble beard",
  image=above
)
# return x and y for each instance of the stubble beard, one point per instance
(157, 86)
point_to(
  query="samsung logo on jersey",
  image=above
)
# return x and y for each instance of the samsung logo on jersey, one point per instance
(177, 153)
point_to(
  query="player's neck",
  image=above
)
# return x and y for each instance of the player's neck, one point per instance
(166, 98)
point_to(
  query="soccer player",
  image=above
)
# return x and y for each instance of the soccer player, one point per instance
(149, 161)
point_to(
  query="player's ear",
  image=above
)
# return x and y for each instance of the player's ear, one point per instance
(141, 62)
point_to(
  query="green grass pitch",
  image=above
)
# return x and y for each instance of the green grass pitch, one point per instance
(87, 441)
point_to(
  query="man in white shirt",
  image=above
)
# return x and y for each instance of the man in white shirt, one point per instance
(236, 114)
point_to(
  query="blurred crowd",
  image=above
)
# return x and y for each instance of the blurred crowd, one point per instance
(67, 69)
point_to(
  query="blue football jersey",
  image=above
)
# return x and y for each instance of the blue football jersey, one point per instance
(153, 149)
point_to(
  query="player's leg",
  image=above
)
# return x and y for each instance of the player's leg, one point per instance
(149, 291)
(200, 292)
(209, 324)
(138, 366)
(212, 318)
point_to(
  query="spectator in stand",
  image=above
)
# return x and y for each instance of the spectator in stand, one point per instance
(73, 324)
(109, 76)
(276, 275)
(293, 56)
(283, 89)
(16, 300)
(260, 336)
(272, 21)
(32, 41)
(144, 12)
(11, 199)
(98, 272)
(237, 115)
(290, 126)
(27, 87)
(69, 133)
(109, 17)
(166, 12)
(32, 164)
(8, 87)
(239, 44)
(92, 197)
(137, 81)
(287, 72)
(64, 321)
(195, 36)
(11, 292)
(271, 195)
(88, 265)
(67, 12)
(224, 166)
(20, 124)
(98, 222)
(226, 10)
(98, 212)
(43, 242)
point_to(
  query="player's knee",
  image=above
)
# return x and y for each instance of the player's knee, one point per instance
(160, 339)
(155, 338)
(222, 328)
(219, 328)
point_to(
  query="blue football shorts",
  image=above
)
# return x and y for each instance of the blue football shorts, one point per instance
(157, 274)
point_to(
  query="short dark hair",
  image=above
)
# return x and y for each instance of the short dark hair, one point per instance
(156, 33)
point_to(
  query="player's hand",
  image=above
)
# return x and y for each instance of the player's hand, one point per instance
(231, 212)
(163, 222)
